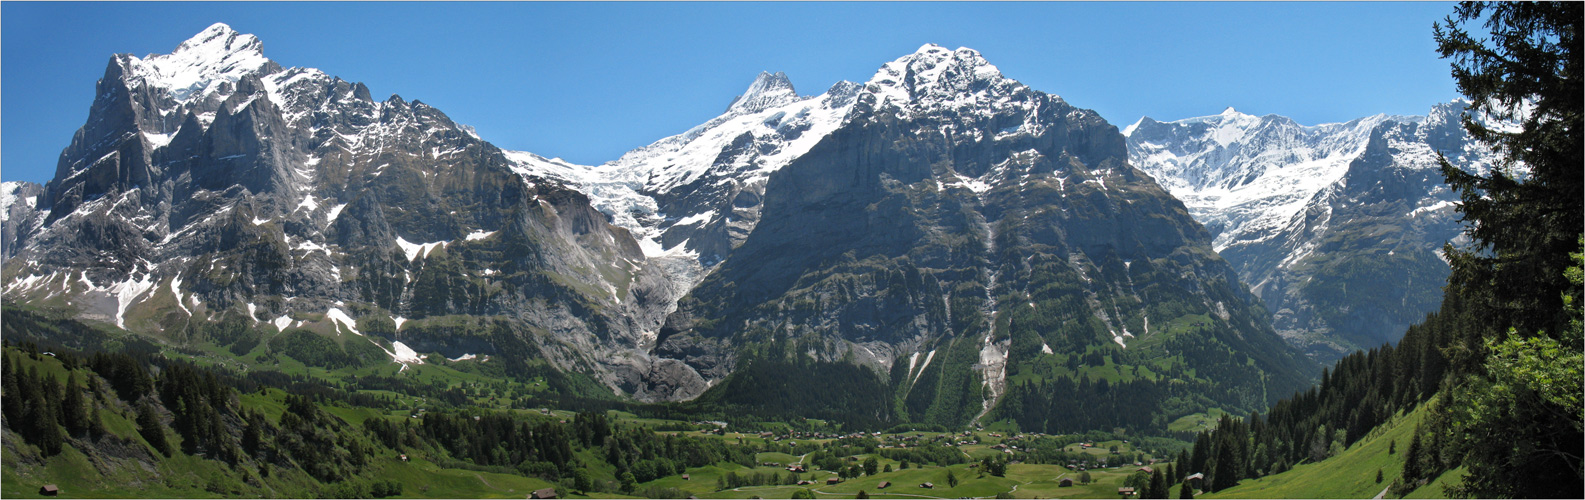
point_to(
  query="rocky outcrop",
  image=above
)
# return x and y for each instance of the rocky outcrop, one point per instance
(212, 183)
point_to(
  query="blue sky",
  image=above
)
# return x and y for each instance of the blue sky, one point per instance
(589, 81)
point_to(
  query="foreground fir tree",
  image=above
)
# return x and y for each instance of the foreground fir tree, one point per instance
(1516, 415)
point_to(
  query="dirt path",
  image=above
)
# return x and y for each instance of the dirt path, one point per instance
(485, 481)
(1383, 493)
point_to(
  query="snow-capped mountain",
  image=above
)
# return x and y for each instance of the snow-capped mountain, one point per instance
(211, 185)
(951, 227)
(691, 198)
(1302, 211)
(216, 196)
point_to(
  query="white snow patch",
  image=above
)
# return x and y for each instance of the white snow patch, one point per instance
(922, 367)
(464, 357)
(1045, 348)
(479, 235)
(414, 250)
(340, 317)
(312, 247)
(176, 284)
(309, 203)
(1431, 208)
(127, 292)
(282, 322)
(334, 212)
(405, 354)
(398, 320)
(695, 218)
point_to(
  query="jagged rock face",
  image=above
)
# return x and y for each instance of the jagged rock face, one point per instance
(949, 205)
(1337, 227)
(938, 207)
(212, 183)
(18, 213)
(690, 199)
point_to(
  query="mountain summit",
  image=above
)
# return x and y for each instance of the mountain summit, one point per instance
(768, 91)
(1307, 214)
(261, 208)
(939, 244)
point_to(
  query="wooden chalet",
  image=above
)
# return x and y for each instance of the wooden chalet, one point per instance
(883, 485)
(1126, 492)
(927, 485)
(49, 490)
(1065, 483)
(543, 493)
(833, 480)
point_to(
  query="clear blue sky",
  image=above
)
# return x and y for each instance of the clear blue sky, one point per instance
(589, 81)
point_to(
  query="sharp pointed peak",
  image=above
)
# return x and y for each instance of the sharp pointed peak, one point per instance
(216, 54)
(933, 69)
(219, 40)
(768, 90)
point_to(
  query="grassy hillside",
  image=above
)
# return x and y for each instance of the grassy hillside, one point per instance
(1351, 474)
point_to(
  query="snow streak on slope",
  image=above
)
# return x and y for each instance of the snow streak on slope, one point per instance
(1242, 175)
(690, 181)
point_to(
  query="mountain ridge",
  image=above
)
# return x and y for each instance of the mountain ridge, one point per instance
(216, 196)
(1275, 192)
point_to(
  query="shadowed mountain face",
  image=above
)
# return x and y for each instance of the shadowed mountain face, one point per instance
(959, 221)
(932, 243)
(211, 183)
(1337, 227)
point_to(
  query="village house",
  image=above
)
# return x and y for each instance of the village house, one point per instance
(1065, 483)
(49, 490)
(1126, 492)
(927, 485)
(883, 485)
(833, 480)
(543, 493)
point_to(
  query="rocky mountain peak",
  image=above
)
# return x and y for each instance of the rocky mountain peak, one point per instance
(934, 75)
(769, 90)
(215, 56)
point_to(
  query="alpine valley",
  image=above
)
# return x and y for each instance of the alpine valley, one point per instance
(939, 247)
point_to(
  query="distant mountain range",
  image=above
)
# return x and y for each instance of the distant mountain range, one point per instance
(1337, 227)
(938, 244)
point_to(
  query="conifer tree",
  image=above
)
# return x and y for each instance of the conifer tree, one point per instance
(1157, 487)
(73, 409)
(1509, 420)
(152, 430)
